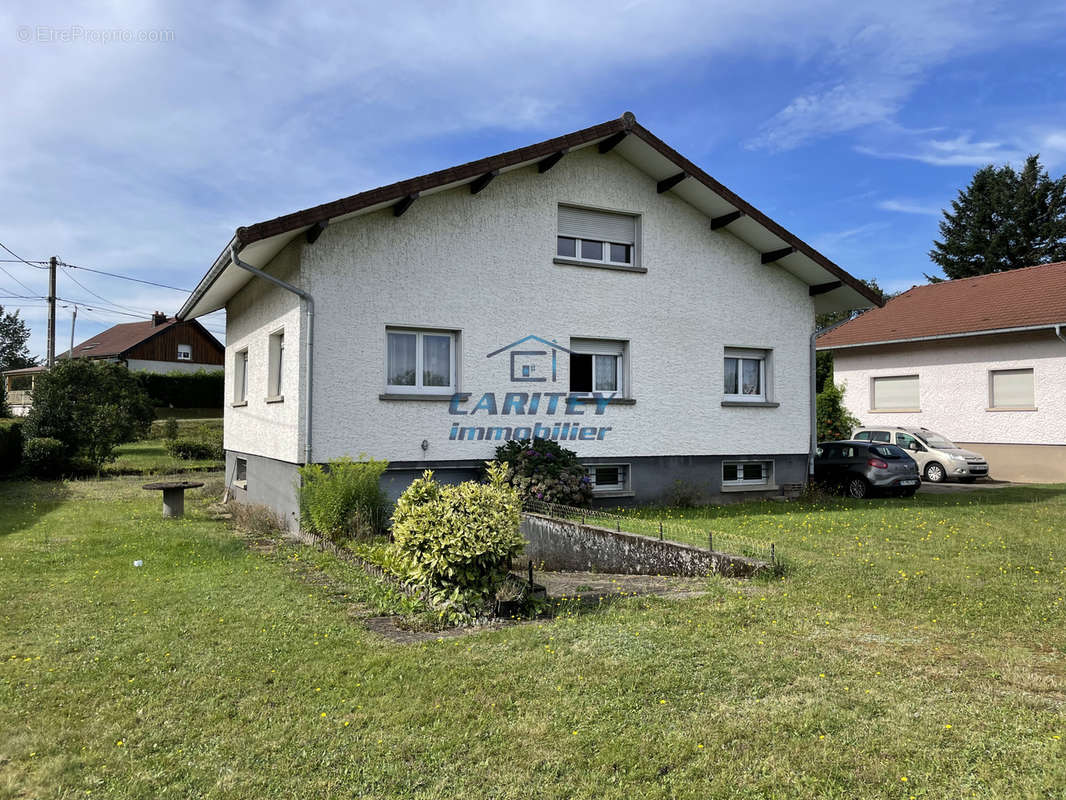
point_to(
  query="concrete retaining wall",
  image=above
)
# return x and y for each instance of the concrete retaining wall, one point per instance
(567, 546)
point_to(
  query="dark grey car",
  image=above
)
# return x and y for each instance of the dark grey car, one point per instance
(861, 468)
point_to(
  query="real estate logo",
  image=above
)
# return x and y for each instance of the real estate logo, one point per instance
(531, 359)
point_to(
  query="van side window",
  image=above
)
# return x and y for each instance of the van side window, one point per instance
(864, 436)
(880, 436)
(905, 440)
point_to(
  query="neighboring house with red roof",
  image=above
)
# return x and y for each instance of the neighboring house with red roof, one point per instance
(162, 344)
(980, 360)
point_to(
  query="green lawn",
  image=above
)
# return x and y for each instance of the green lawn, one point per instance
(150, 457)
(912, 649)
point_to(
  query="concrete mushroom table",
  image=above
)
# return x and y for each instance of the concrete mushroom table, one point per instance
(173, 495)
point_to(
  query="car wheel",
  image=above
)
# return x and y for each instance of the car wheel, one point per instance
(857, 488)
(934, 473)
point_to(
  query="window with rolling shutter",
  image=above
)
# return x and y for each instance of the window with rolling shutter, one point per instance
(895, 393)
(1011, 388)
(598, 237)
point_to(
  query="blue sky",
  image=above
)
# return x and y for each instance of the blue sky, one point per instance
(851, 124)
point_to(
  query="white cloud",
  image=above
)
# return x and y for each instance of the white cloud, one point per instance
(904, 206)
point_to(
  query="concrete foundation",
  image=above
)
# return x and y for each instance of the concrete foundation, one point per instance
(557, 544)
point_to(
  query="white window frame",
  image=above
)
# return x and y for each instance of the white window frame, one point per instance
(766, 481)
(608, 348)
(276, 365)
(237, 480)
(418, 387)
(614, 489)
(992, 388)
(742, 354)
(184, 352)
(240, 376)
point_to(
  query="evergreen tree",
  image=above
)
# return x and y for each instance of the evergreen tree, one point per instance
(14, 335)
(1003, 220)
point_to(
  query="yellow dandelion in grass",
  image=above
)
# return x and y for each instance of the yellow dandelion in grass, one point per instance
(322, 714)
(903, 778)
(947, 727)
(699, 747)
(346, 723)
(118, 743)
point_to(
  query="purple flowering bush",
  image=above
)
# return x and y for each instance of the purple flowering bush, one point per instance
(541, 469)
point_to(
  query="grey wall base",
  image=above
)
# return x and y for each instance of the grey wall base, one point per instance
(270, 483)
(653, 479)
(567, 546)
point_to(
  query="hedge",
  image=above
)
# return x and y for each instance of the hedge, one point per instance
(10, 446)
(201, 389)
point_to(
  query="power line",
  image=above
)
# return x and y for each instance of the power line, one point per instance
(16, 280)
(124, 277)
(101, 297)
(20, 258)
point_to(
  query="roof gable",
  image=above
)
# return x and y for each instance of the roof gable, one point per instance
(831, 286)
(1032, 297)
(119, 339)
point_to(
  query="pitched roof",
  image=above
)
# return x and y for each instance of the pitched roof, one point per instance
(1032, 297)
(831, 286)
(118, 339)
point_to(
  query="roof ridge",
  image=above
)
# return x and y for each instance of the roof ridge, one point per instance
(989, 274)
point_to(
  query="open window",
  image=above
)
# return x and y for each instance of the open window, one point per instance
(599, 365)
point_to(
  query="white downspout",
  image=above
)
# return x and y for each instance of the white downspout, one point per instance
(310, 305)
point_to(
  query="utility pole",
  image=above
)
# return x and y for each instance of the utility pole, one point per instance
(52, 311)
(73, 319)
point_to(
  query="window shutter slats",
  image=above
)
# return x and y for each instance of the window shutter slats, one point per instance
(1013, 389)
(601, 226)
(896, 393)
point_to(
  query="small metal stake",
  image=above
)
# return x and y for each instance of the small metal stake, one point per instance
(660, 530)
(710, 541)
(618, 524)
(531, 575)
(773, 559)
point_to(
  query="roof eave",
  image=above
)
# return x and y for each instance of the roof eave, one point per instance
(936, 337)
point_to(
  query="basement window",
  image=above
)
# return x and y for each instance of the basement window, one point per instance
(608, 478)
(748, 474)
(240, 472)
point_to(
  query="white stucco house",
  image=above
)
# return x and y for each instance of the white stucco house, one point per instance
(981, 361)
(597, 288)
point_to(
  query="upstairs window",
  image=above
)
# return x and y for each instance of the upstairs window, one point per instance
(598, 365)
(597, 237)
(184, 352)
(420, 361)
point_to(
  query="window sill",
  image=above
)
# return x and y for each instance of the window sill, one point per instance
(894, 411)
(576, 262)
(588, 399)
(277, 399)
(241, 485)
(1022, 408)
(613, 493)
(749, 404)
(241, 404)
(438, 398)
(751, 487)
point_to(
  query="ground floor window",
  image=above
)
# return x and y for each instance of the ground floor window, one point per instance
(240, 471)
(608, 477)
(746, 473)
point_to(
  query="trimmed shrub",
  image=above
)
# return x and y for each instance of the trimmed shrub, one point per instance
(44, 457)
(834, 420)
(458, 540)
(541, 469)
(189, 449)
(344, 500)
(203, 389)
(10, 447)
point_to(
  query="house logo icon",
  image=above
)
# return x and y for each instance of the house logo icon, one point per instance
(530, 365)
